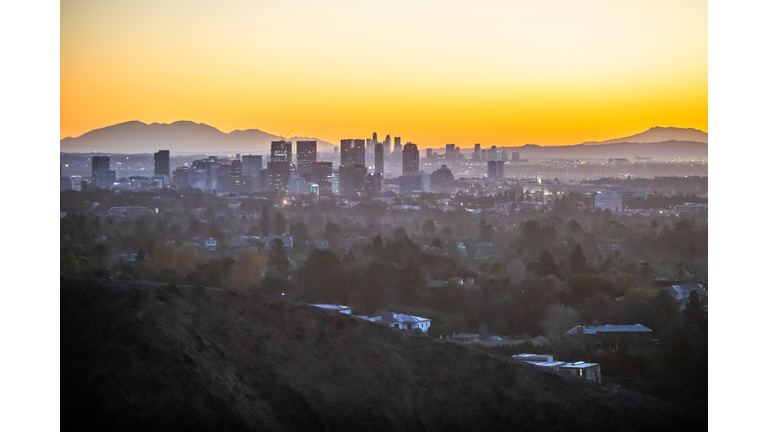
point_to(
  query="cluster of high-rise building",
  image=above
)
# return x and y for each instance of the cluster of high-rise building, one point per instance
(302, 173)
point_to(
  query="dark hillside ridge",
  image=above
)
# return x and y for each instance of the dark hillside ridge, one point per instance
(158, 358)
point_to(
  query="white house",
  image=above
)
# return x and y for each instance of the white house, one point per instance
(401, 321)
(338, 308)
(210, 244)
(683, 291)
(582, 370)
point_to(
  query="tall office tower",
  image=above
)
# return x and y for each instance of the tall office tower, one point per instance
(346, 151)
(237, 156)
(492, 153)
(387, 145)
(279, 176)
(476, 155)
(450, 155)
(99, 163)
(398, 149)
(181, 177)
(515, 156)
(101, 175)
(281, 151)
(495, 169)
(252, 166)
(351, 180)
(236, 167)
(352, 152)
(322, 173)
(306, 155)
(484, 155)
(410, 159)
(429, 154)
(359, 152)
(504, 155)
(379, 159)
(370, 147)
(163, 163)
(335, 152)
(457, 154)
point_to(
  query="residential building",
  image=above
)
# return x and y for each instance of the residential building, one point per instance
(683, 291)
(336, 308)
(690, 208)
(608, 201)
(612, 336)
(401, 321)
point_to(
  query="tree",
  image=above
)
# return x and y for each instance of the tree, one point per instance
(559, 320)
(573, 227)
(377, 245)
(694, 311)
(248, 269)
(428, 228)
(301, 237)
(280, 227)
(583, 286)
(265, 221)
(278, 265)
(577, 263)
(69, 265)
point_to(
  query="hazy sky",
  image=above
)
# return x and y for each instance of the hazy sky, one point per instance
(433, 72)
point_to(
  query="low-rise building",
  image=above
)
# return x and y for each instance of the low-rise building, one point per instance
(682, 291)
(401, 321)
(332, 307)
(465, 338)
(580, 369)
(612, 336)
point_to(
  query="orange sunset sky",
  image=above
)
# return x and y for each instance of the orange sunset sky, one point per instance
(433, 72)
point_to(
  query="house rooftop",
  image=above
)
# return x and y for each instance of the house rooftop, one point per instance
(637, 328)
(331, 306)
(398, 318)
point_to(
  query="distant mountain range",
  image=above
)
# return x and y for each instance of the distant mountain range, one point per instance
(187, 137)
(135, 137)
(659, 134)
(664, 150)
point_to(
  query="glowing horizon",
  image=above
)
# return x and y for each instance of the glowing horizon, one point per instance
(497, 73)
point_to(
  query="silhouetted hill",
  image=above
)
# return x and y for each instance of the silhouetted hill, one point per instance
(659, 134)
(158, 358)
(181, 136)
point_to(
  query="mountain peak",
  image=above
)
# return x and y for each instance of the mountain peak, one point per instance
(659, 134)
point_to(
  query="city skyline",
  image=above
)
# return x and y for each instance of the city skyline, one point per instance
(506, 74)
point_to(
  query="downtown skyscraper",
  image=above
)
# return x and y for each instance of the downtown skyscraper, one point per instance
(410, 159)
(306, 155)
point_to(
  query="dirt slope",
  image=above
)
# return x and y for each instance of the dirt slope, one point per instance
(190, 358)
